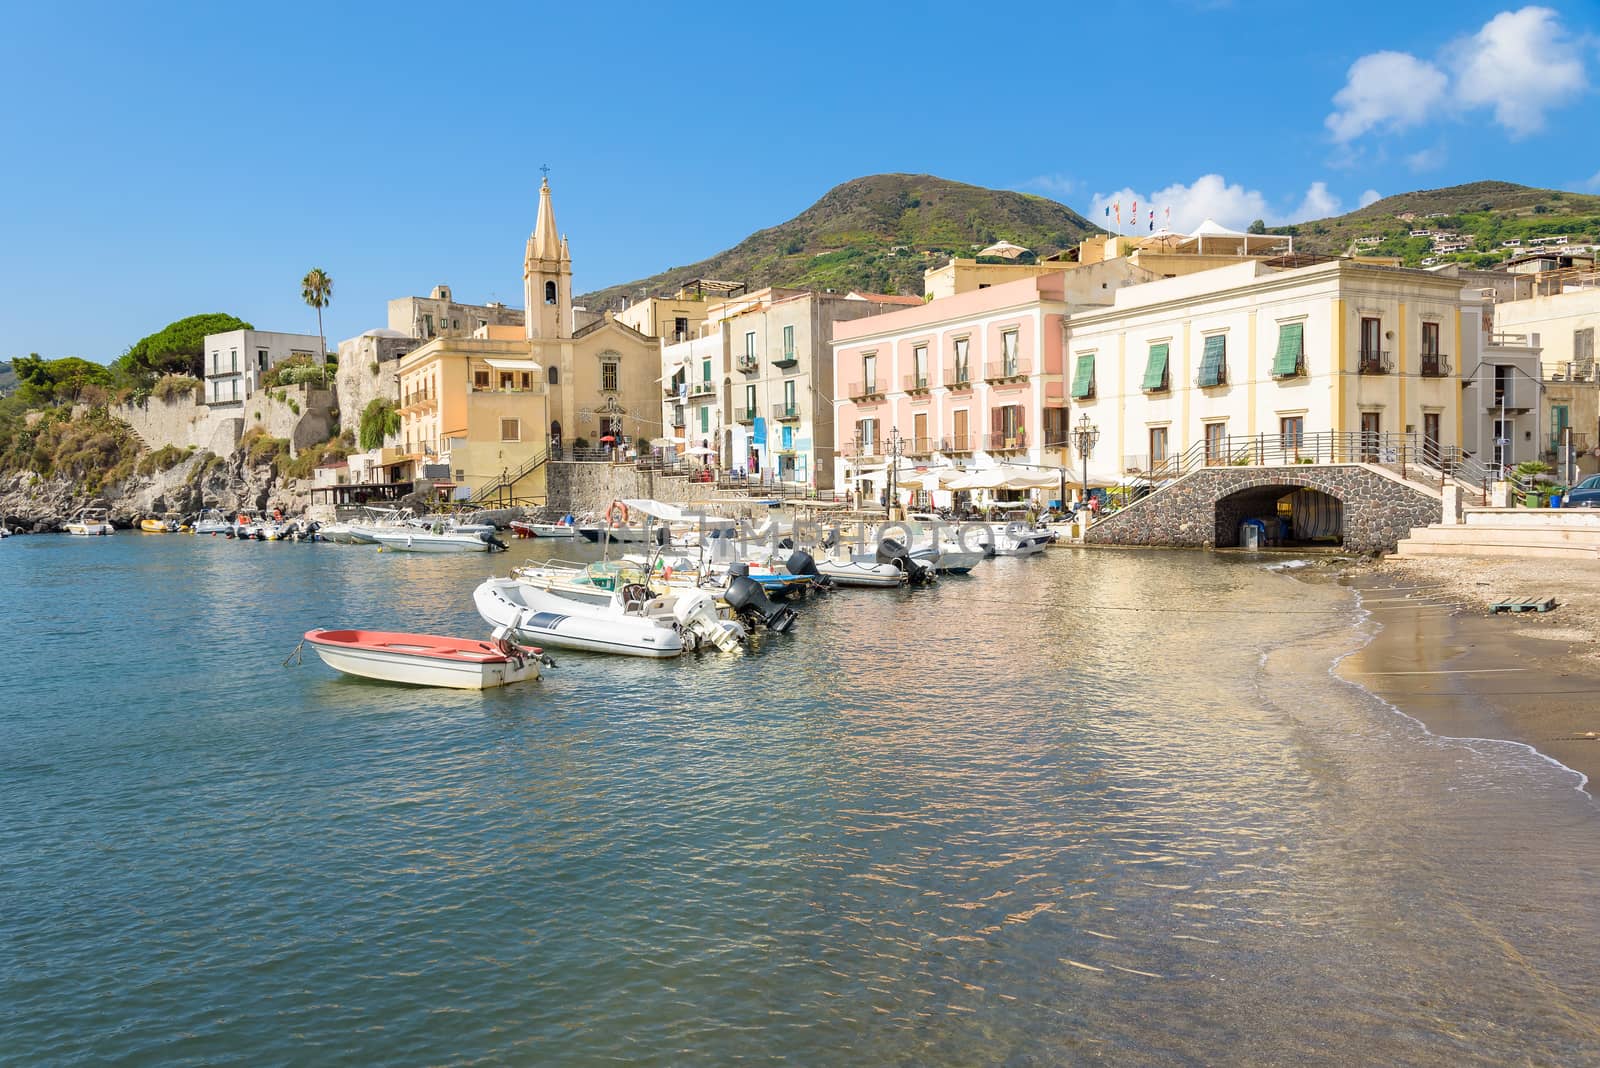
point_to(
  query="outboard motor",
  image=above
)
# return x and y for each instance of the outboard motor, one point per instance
(891, 551)
(746, 597)
(800, 563)
(495, 544)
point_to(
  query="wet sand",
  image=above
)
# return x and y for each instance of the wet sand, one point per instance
(1441, 658)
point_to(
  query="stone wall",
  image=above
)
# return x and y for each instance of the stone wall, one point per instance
(580, 487)
(182, 421)
(367, 366)
(1379, 508)
(308, 421)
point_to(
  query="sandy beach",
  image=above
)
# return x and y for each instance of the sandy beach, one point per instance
(1442, 658)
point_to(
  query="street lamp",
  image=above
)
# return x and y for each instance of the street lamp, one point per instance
(1084, 436)
(894, 470)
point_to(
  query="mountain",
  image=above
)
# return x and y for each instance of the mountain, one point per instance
(877, 233)
(1486, 215)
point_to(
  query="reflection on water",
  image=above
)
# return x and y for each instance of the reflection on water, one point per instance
(1086, 806)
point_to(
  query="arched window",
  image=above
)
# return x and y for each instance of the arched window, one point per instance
(553, 375)
(549, 292)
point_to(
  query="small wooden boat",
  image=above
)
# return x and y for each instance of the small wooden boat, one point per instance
(427, 659)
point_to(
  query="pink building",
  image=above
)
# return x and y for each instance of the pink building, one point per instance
(970, 380)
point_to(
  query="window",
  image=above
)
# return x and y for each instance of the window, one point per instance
(680, 328)
(1216, 442)
(705, 370)
(1005, 426)
(1583, 350)
(788, 438)
(1289, 360)
(235, 383)
(1055, 428)
(705, 419)
(506, 379)
(961, 376)
(527, 380)
(511, 430)
(261, 359)
(1158, 445)
(750, 346)
(1291, 432)
(919, 432)
(455, 324)
(427, 323)
(233, 359)
(1430, 339)
(919, 365)
(550, 293)
(1214, 361)
(216, 362)
(608, 375)
(1430, 434)
(867, 434)
(1083, 377)
(789, 396)
(1008, 352)
(788, 343)
(960, 426)
(552, 375)
(480, 380)
(1370, 360)
(869, 373)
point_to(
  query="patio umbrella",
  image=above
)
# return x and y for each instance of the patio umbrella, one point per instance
(699, 450)
(1005, 476)
(609, 438)
(937, 479)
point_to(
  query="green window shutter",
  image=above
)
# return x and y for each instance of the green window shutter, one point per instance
(1155, 371)
(1083, 380)
(1558, 417)
(705, 420)
(1212, 369)
(1291, 345)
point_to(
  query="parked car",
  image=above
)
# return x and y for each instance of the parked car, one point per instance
(1585, 494)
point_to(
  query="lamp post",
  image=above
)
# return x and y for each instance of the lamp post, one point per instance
(1084, 436)
(894, 470)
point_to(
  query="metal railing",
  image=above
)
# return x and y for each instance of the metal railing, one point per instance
(959, 378)
(499, 488)
(920, 446)
(1015, 441)
(785, 412)
(916, 383)
(1435, 365)
(956, 443)
(1001, 370)
(702, 389)
(1373, 362)
(744, 415)
(861, 390)
(748, 364)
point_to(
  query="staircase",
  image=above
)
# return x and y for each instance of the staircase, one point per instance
(1537, 533)
(506, 483)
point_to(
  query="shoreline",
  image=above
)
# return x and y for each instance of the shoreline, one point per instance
(1438, 657)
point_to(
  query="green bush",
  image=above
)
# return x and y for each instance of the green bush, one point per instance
(379, 420)
(294, 406)
(163, 459)
(261, 448)
(172, 387)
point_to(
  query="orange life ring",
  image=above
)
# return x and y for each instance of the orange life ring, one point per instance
(617, 509)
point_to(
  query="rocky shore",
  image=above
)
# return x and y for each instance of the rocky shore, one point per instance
(30, 503)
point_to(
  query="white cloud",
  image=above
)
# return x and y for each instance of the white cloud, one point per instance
(1371, 196)
(1210, 196)
(1522, 64)
(1426, 159)
(1318, 203)
(1392, 90)
(1056, 185)
(1594, 182)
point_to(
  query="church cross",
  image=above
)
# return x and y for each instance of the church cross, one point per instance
(546, 169)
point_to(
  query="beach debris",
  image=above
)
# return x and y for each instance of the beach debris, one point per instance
(1528, 604)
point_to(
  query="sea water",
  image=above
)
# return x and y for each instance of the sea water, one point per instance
(1090, 806)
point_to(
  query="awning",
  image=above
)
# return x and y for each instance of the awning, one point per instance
(514, 365)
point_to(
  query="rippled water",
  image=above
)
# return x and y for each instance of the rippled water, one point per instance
(1096, 806)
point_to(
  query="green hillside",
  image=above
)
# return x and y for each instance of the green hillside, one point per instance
(8, 378)
(1492, 213)
(877, 233)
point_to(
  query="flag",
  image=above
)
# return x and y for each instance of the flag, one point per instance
(1108, 211)
(1169, 216)
(1133, 216)
(1117, 207)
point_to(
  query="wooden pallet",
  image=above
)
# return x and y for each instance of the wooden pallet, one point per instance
(1541, 604)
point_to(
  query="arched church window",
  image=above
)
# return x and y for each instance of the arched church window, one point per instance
(553, 374)
(549, 292)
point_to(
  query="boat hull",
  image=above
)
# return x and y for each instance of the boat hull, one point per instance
(413, 660)
(90, 530)
(421, 542)
(548, 620)
(877, 576)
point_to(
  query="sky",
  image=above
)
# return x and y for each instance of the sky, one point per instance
(162, 160)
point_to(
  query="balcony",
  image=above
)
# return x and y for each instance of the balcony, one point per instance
(959, 380)
(955, 444)
(702, 389)
(786, 413)
(744, 415)
(917, 383)
(1299, 370)
(1374, 362)
(748, 363)
(1016, 441)
(533, 389)
(417, 401)
(1435, 365)
(670, 389)
(1511, 395)
(866, 390)
(1006, 371)
(788, 361)
(919, 446)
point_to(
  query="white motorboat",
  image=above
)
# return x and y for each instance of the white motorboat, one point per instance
(412, 540)
(629, 621)
(448, 525)
(91, 522)
(346, 534)
(1017, 542)
(523, 528)
(948, 557)
(211, 521)
(426, 659)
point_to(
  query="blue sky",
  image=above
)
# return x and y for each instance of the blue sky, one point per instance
(164, 160)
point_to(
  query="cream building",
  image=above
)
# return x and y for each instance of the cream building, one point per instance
(1562, 317)
(1341, 349)
(438, 315)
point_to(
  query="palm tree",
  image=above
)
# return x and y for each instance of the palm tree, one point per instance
(316, 289)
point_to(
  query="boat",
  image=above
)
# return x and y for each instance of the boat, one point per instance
(169, 525)
(859, 569)
(1016, 541)
(629, 621)
(211, 521)
(437, 540)
(90, 522)
(524, 528)
(427, 659)
(948, 557)
(448, 525)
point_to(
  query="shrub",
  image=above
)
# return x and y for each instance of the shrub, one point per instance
(163, 459)
(379, 420)
(172, 387)
(294, 406)
(296, 370)
(262, 448)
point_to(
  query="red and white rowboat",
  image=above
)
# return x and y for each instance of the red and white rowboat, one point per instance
(426, 659)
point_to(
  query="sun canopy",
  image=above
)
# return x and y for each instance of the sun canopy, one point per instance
(937, 479)
(513, 365)
(1005, 476)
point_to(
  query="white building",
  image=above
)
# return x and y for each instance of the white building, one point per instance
(236, 360)
(691, 406)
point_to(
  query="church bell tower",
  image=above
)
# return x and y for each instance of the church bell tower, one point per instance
(547, 276)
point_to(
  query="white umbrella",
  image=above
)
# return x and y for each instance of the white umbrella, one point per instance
(937, 479)
(700, 450)
(1004, 476)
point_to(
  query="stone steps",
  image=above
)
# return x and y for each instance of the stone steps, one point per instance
(1508, 538)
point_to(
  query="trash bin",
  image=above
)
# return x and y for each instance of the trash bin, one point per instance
(1250, 534)
(1555, 500)
(1530, 500)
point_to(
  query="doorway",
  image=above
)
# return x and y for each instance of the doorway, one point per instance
(1371, 436)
